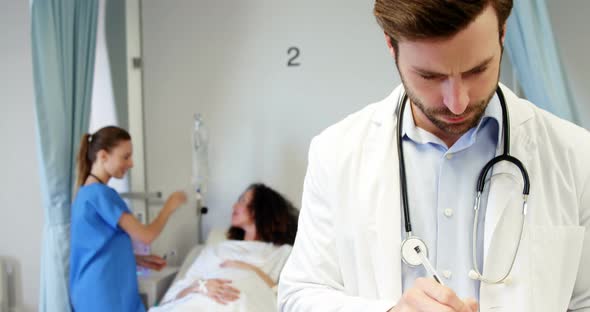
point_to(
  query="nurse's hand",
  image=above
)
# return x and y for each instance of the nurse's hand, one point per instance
(175, 200)
(151, 262)
(428, 295)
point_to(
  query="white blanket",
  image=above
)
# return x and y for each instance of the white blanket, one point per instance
(255, 295)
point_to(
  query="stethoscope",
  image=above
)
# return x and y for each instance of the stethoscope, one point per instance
(412, 245)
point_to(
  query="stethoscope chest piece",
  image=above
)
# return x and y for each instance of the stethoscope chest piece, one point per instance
(409, 254)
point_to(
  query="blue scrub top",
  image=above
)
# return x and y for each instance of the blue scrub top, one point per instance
(102, 264)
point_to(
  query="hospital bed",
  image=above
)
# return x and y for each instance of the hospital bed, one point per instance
(216, 235)
(154, 285)
(205, 260)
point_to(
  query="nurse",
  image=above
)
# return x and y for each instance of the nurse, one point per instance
(102, 263)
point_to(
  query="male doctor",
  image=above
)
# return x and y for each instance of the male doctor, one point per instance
(347, 254)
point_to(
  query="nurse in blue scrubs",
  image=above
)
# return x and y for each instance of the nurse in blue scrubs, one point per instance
(102, 264)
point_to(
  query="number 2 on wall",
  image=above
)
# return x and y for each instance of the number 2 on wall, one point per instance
(295, 56)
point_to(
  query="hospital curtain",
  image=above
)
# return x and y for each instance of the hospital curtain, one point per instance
(533, 52)
(63, 41)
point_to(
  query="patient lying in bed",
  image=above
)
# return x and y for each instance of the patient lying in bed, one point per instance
(240, 274)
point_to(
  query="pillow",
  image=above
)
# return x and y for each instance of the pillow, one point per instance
(216, 235)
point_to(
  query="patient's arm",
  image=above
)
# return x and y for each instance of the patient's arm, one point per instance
(216, 289)
(247, 266)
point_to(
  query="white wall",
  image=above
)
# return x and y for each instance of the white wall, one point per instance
(21, 215)
(228, 60)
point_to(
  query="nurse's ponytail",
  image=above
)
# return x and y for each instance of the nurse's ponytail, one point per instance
(104, 139)
(84, 164)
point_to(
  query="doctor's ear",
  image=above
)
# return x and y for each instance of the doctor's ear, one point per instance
(390, 45)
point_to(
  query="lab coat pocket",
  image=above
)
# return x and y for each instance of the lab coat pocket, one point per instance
(555, 257)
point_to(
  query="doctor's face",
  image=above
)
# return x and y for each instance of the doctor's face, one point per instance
(451, 80)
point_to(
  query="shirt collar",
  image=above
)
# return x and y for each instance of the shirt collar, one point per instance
(418, 135)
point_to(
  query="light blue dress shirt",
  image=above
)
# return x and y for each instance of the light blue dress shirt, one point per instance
(441, 192)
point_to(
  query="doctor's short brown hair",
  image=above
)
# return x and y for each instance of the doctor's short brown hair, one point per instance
(426, 19)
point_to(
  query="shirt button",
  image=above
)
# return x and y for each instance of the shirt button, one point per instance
(449, 156)
(448, 212)
(447, 274)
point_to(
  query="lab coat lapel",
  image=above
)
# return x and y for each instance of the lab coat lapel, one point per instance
(380, 186)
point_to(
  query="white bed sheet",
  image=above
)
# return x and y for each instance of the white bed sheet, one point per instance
(255, 295)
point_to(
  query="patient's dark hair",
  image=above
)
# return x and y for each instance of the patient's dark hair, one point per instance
(275, 217)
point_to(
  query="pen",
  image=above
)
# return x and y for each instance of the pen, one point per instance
(428, 266)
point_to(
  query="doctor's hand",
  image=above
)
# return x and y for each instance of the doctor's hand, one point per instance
(428, 295)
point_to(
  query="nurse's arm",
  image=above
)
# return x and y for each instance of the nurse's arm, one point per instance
(147, 233)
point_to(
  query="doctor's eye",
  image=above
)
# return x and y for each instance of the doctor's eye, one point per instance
(431, 77)
(476, 71)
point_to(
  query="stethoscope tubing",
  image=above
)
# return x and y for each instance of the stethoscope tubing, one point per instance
(505, 156)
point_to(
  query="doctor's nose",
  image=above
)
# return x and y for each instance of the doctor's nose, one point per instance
(455, 96)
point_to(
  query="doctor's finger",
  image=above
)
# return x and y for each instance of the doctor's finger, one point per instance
(440, 293)
(471, 305)
(415, 300)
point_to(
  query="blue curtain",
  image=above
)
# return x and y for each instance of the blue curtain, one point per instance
(63, 34)
(531, 46)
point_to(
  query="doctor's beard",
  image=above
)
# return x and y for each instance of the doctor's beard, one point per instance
(473, 114)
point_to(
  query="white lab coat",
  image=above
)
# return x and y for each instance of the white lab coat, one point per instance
(347, 253)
